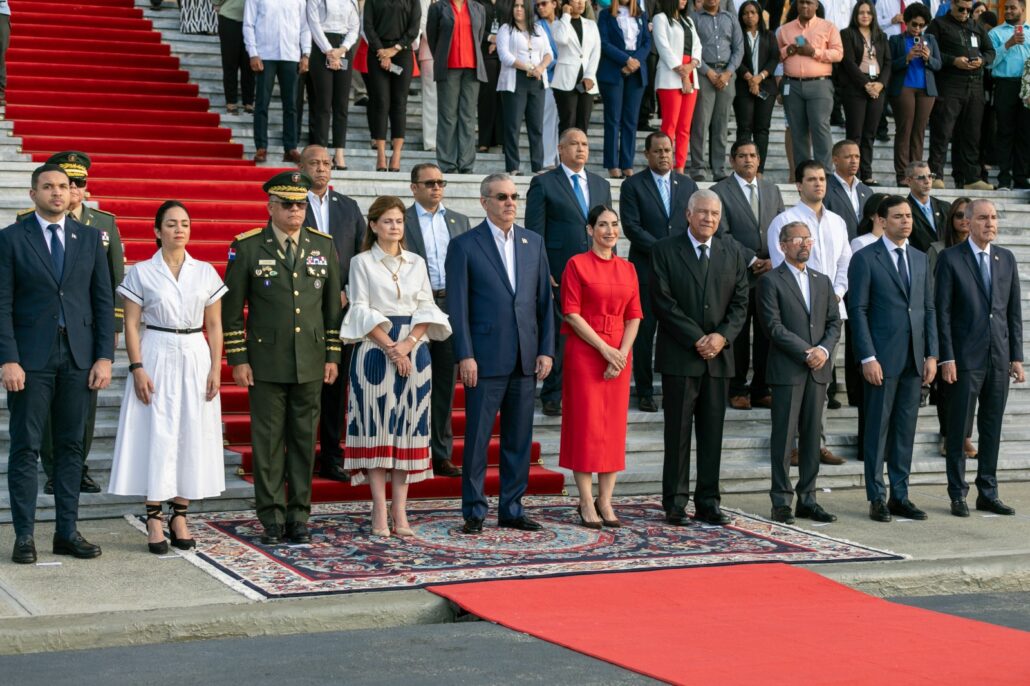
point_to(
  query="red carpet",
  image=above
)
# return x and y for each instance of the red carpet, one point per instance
(152, 138)
(750, 624)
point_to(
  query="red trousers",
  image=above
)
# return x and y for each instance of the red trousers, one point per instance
(677, 113)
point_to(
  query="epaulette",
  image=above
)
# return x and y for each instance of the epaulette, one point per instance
(248, 234)
(109, 214)
(318, 233)
(24, 213)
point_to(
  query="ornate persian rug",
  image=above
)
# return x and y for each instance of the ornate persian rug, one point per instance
(344, 557)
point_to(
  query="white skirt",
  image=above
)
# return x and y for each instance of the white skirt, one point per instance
(173, 446)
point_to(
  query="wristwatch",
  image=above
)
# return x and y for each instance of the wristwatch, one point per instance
(134, 366)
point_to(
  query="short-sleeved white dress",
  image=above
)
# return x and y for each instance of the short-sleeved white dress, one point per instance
(173, 446)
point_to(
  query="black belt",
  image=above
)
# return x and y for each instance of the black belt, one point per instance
(717, 65)
(178, 331)
(442, 293)
(808, 78)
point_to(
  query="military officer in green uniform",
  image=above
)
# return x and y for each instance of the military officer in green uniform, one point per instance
(76, 165)
(287, 275)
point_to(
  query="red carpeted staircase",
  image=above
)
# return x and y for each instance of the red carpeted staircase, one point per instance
(123, 99)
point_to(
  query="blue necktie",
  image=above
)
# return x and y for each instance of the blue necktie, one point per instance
(985, 273)
(578, 191)
(903, 270)
(929, 215)
(663, 190)
(57, 258)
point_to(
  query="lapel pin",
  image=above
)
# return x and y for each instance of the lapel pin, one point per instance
(525, 242)
(74, 236)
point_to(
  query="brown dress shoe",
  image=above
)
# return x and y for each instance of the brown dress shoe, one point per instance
(826, 457)
(446, 468)
(794, 457)
(292, 156)
(260, 155)
(740, 402)
(969, 449)
(765, 401)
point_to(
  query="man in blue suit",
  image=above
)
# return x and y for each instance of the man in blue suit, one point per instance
(981, 330)
(502, 315)
(890, 303)
(56, 345)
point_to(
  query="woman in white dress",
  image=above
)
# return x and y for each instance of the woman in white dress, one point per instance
(169, 444)
(392, 315)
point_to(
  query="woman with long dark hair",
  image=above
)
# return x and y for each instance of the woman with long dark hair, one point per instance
(676, 81)
(863, 76)
(756, 88)
(621, 77)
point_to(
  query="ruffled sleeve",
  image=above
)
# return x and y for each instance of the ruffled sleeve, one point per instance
(131, 287)
(426, 309)
(361, 318)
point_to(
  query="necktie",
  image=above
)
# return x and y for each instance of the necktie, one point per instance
(804, 294)
(903, 269)
(663, 190)
(753, 199)
(703, 262)
(578, 192)
(928, 213)
(985, 274)
(56, 250)
(290, 257)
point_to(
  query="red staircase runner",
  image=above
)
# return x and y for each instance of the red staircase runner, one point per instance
(151, 138)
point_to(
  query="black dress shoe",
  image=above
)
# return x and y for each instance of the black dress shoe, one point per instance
(333, 471)
(647, 404)
(87, 484)
(993, 505)
(832, 404)
(76, 546)
(473, 525)
(362, 101)
(713, 516)
(677, 518)
(905, 508)
(24, 550)
(878, 511)
(446, 468)
(297, 532)
(782, 514)
(816, 513)
(552, 409)
(959, 508)
(273, 534)
(48, 487)
(522, 523)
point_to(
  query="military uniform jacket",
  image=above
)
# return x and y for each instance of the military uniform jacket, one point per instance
(293, 321)
(104, 222)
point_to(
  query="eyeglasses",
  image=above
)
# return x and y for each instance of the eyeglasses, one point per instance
(798, 240)
(78, 183)
(433, 183)
(504, 197)
(290, 204)
(925, 177)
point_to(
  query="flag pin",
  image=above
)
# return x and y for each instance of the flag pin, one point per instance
(524, 241)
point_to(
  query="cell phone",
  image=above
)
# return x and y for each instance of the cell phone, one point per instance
(763, 95)
(396, 69)
(800, 40)
(1019, 29)
(917, 40)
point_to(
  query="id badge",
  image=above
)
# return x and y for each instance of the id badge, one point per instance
(786, 89)
(974, 41)
(872, 71)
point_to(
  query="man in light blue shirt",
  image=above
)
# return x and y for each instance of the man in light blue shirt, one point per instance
(277, 38)
(1011, 50)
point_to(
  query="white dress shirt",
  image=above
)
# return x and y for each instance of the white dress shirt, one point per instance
(831, 253)
(506, 247)
(862, 241)
(630, 29)
(43, 224)
(892, 248)
(852, 191)
(321, 210)
(976, 255)
(697, 246)
(582, 174)
(518, 46)
(885, 11)
(803, 280)
(436, 237)
(333, 16)
(839, 12)
(276, 30)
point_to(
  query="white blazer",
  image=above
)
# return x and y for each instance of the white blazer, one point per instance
(668, 38)
(511, 46)
(572, 56)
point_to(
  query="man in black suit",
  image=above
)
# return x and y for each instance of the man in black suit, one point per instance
(699, 291)
(749, 204)
(977, 286)
(798, 310)
(56, 346)
(845, 193)
(557, 205)
(891, 308)
(929, 214)
(654, 206)
(339, 216)
(428, 230)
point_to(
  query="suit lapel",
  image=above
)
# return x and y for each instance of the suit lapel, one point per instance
(792, 285)
(690, 257)
(970, 258)
(737, 193)
(271, 247)
(489, 248)
(563, 181)
(597, 187)
(34, 235)
(71, 246)
(887, 262)
(414, 236)
(651, 186)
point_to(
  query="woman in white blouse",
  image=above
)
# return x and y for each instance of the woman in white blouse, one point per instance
(524, 52)
(575, 77)
(169, 443)
(676, 84)
(391, 317)
(335, 28)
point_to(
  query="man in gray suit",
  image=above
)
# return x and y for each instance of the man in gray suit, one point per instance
(749, 206)
(797, 308)
(428, 230)
(845, 193)
(891, 308)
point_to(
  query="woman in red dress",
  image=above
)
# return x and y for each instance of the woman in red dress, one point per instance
(601, 302)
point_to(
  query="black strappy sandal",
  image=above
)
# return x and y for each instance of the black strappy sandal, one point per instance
(161, 547)
(178, 510)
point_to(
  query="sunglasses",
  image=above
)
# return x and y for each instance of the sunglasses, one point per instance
(504, 197)
(798, 240)
(78, 183)
(963, 10)
(917, 24)
(433, 183)
(290, 204)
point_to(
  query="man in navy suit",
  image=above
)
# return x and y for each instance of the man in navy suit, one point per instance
(56, 345)
(654, 206)
(499, 302)
(890, 304)
(977, 288)
(846, 195)
(557, 205)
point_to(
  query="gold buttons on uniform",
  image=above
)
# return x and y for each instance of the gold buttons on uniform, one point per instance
(296, 293)
(295, 275)
(297, 329)
(297, 310)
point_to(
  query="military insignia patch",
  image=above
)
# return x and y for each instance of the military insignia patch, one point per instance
(232, 254)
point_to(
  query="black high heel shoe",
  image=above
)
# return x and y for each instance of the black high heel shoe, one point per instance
(178, 510)
(161, 547)
(610, 523)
